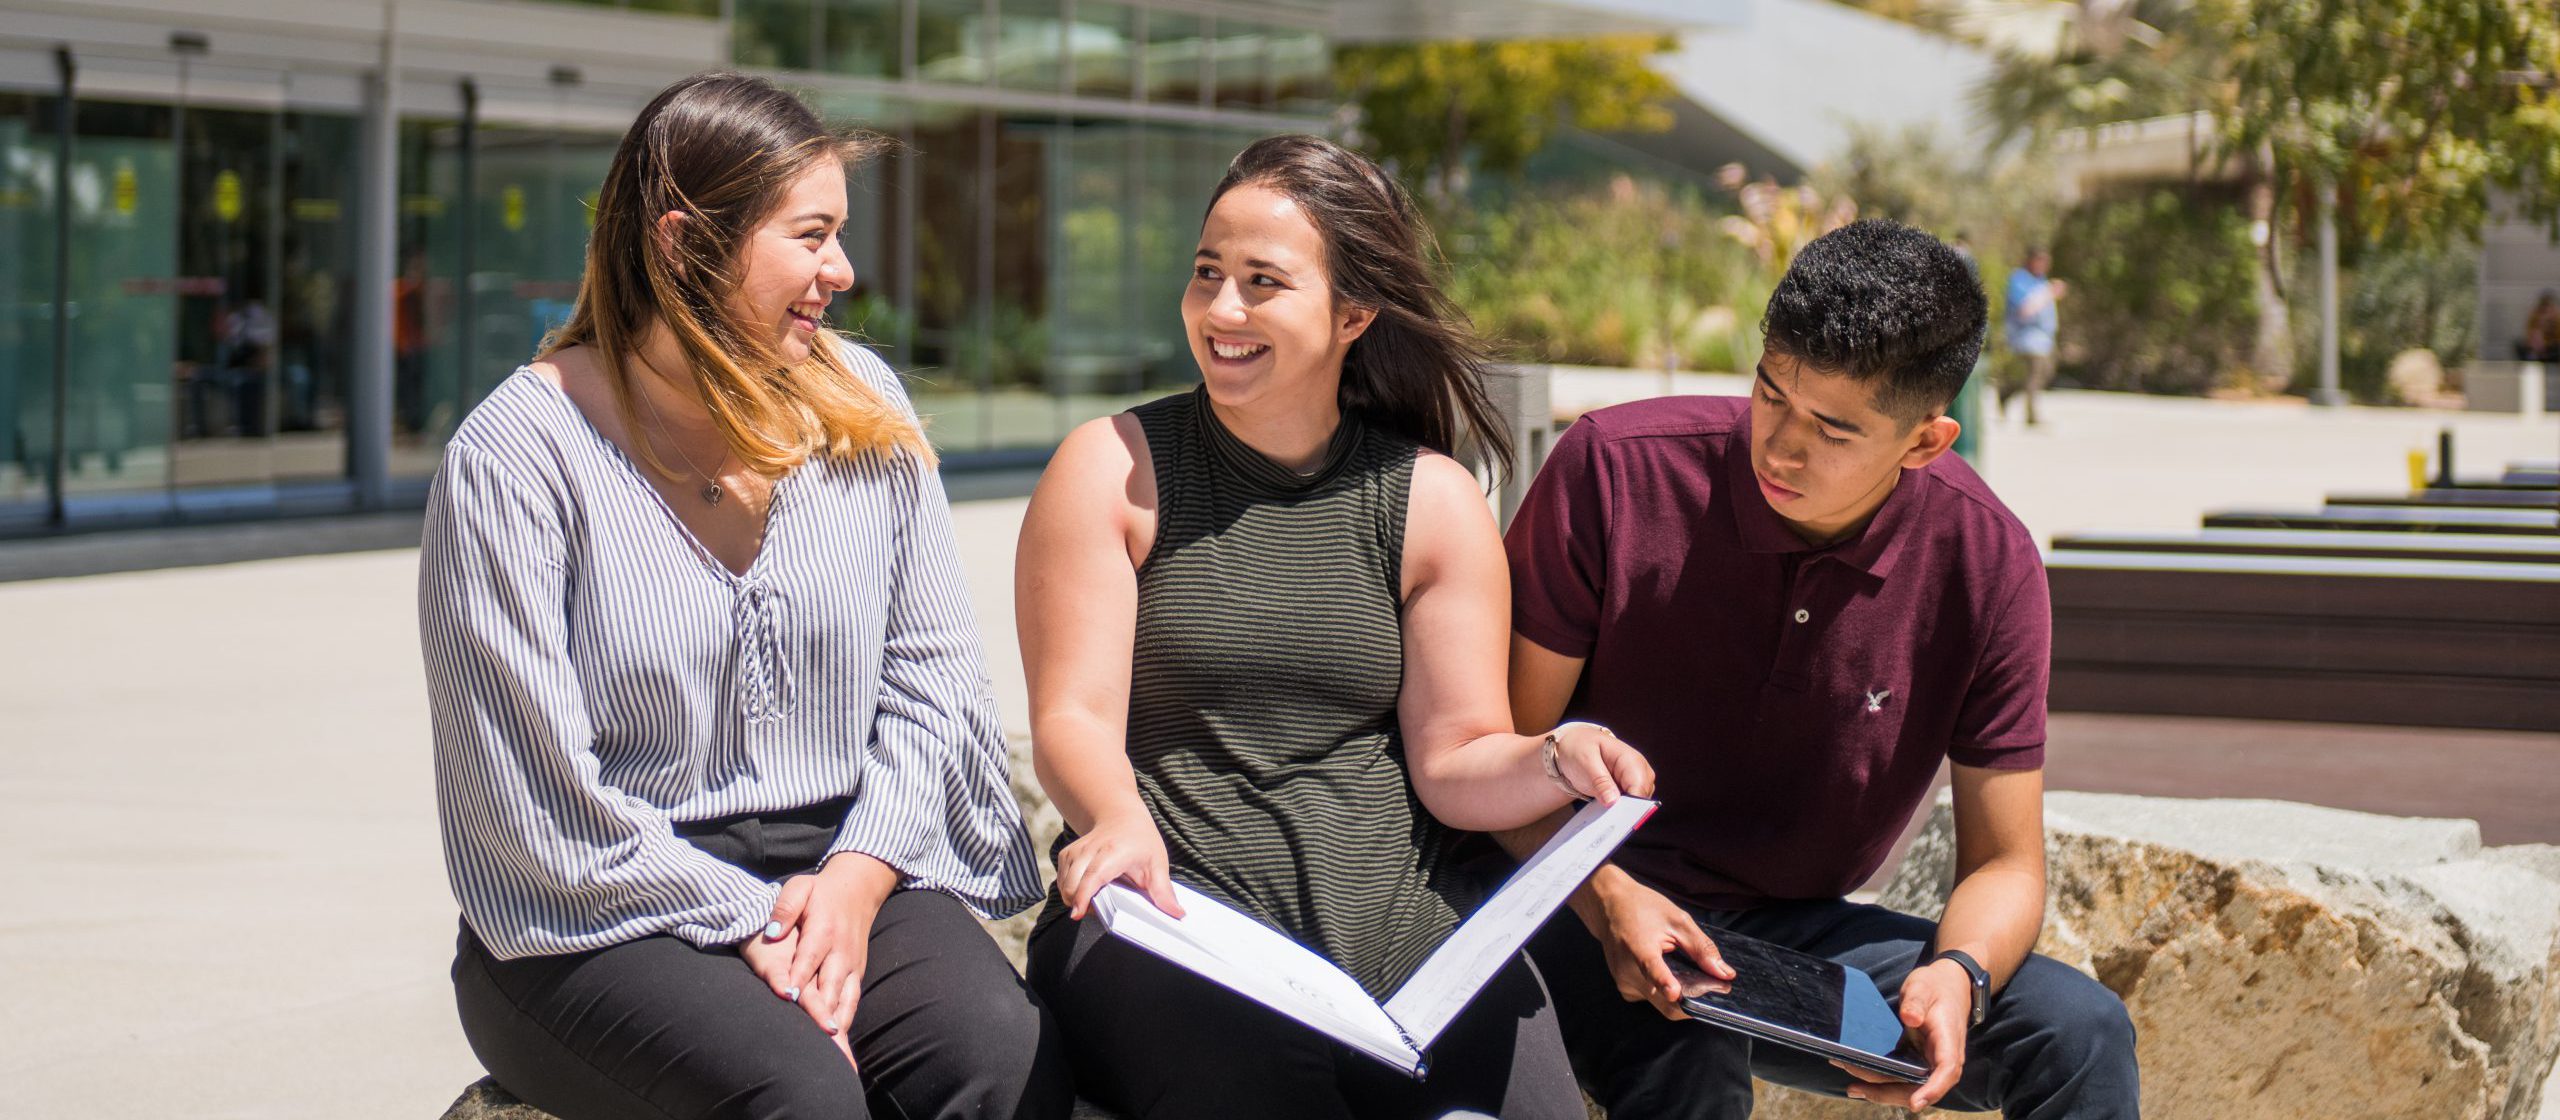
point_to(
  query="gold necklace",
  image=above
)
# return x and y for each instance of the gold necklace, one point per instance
(711, 491)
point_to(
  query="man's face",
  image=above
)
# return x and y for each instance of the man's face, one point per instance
(2040, 263)
(1824, 455)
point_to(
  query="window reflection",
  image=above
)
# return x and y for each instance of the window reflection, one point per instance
(1100, 42)
(783, 34)
(859, 38)
(430, 317)
(1030, 45)
(1241, 60)
(940, 169)
(1177, 54)
(1301, 71)
(27, 152)
(951, 41)
(315, 356)
(124, 297)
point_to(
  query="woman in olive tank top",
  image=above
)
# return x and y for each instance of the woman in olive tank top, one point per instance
(1265, 624)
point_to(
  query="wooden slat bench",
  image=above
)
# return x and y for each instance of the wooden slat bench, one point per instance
(2450, 643)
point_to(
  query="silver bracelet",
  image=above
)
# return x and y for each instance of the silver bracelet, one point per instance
(1548, 761)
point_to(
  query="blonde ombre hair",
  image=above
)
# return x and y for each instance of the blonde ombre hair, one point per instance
(722, 150)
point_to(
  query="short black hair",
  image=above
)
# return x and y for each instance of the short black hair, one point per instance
(1886, 305)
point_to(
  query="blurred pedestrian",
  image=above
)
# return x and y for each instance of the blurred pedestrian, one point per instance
(2541, 342)
(2032, 321)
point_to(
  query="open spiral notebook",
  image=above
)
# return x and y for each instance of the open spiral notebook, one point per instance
(1225, 945)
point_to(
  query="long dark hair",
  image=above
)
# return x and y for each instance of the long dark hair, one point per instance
(1419, 370)
(722, 149)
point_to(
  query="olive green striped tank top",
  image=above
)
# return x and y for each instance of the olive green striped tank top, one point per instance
(1262, 701)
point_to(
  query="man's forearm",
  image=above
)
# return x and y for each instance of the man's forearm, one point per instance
(1994, 916)
(1522, 842)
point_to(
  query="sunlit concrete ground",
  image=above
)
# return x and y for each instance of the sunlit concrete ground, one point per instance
(224, 897)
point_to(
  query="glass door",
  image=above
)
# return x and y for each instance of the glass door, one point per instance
(223, 382)
(124, 288)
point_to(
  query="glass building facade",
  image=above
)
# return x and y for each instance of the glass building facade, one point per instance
(1021, 247)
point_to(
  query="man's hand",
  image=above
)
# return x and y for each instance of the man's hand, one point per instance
(1937, 1005)
(1636, 927)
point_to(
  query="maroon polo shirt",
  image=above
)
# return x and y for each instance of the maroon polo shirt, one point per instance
(1795, 702)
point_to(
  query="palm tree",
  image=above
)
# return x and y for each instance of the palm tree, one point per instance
(2064, 66)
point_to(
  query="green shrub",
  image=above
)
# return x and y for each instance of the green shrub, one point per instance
(1608, 277)
(2389, 300)
(2162, 289)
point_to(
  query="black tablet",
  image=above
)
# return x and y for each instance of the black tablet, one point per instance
(1797, 999)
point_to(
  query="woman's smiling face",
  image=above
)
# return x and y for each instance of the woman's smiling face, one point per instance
(1260, 310)
(792, 263)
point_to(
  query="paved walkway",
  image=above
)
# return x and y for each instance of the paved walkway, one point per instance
(225, 895)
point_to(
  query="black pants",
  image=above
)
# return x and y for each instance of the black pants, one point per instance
(658, 1028)
(1155, 1041)
(2055, 1043)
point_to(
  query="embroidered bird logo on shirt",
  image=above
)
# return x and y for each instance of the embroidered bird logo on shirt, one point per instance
(1877, 697)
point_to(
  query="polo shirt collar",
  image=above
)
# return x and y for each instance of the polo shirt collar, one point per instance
(1874, 550)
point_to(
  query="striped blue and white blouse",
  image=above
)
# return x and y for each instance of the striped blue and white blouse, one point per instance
(596, 676)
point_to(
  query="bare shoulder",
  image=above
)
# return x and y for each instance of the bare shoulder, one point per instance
(564, 366)
(1448, 524)
(1101, 457)
(579, 377)
(1445, 496)
(1100, 485)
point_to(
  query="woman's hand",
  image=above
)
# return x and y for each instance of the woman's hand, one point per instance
(1595, 764)
(814, 950)
(1126, 848)
(769, 957)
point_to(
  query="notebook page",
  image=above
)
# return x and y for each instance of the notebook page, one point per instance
(1450, 977)
(1221, 943)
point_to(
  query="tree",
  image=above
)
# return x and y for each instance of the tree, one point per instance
(2062, 65)
(2399, 114)
(1431, 109)
(2068, 65)
(2410, 109)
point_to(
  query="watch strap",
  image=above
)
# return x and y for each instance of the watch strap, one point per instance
(1981, 980)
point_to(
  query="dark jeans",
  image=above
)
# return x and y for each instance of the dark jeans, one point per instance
(1156, 1041)
(2055, 1043)
(658, 1028)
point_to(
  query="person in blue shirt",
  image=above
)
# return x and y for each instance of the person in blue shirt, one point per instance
(2031, 324)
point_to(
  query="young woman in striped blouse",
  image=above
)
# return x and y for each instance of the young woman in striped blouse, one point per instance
(720, 779)
(1265, 625)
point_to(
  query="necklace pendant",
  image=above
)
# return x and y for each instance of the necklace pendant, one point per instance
(712, 493)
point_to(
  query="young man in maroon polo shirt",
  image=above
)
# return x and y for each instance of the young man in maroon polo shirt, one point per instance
(1796, 606)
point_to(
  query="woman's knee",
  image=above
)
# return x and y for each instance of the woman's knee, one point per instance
(948, 1028)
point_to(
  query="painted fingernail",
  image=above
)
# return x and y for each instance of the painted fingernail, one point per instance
(836, 1027)
(773, 931)
(792, 994)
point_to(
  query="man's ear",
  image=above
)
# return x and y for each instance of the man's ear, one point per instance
(1353, 323)
(1933, 437)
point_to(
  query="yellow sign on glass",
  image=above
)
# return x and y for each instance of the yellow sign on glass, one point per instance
(226, 196)
(511, 207)
(128, 189)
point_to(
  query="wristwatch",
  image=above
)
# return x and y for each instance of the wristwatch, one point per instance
(1981, 981)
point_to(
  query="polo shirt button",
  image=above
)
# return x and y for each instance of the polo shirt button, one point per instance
(1803, 615)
